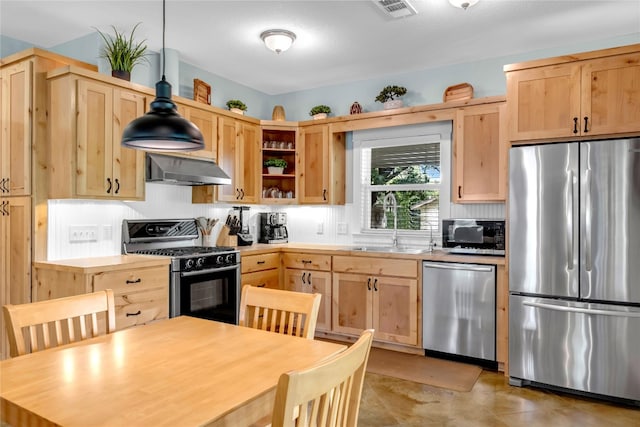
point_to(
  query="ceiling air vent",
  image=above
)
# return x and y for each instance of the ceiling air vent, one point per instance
(396, 8)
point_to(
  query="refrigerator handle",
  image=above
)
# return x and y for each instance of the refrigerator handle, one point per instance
(588, 221)
(581, 310)
(569, 212)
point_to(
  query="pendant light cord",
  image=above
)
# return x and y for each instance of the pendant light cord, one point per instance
(163, 31)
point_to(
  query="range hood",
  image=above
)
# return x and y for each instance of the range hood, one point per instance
(184, 171)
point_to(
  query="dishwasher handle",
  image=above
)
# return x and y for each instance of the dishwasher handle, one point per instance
(467, 267)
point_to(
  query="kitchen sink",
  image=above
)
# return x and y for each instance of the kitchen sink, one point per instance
(390, 249)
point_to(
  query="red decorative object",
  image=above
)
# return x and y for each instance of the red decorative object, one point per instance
(356, 108)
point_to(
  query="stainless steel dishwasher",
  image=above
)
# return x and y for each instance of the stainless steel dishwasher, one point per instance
(459, 309)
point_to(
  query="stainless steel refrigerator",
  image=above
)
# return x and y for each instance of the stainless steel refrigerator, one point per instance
(574, 266)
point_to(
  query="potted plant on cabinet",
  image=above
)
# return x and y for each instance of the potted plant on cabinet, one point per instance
(122, 52)
(236, 106)
(275, 166)
(388, 96)
(320, 112)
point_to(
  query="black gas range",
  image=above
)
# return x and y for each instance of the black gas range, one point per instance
(204, 280)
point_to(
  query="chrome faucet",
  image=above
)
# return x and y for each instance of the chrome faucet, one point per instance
(391, 199)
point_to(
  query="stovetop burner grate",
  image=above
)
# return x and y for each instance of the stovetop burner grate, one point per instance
(185, 251)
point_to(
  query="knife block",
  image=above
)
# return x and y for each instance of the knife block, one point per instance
(225, 239)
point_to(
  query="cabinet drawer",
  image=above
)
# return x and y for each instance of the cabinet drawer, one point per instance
(376, 266)
(267, 279)
(307, 261)
(135, 279)
(252, 263)
(139, 307)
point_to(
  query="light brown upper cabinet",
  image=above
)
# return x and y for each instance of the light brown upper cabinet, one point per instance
(597, 93)
(239, 157)
(480, 154)
(86, 160)
(321, 169)
(207, 122)
(15, 138)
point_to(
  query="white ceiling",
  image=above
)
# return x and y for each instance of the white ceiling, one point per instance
(337, 41)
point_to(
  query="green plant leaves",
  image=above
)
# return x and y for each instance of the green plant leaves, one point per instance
(122, 52)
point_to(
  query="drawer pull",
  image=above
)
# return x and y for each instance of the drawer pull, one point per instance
(260, 262)
(261, 285)
(306, 261)
(134, 314)
(130, 282)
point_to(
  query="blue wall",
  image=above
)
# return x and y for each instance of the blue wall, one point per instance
(424, 87)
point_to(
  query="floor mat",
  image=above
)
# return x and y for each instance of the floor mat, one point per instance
(426, 370)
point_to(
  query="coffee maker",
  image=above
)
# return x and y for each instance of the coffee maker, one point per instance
(273, 227)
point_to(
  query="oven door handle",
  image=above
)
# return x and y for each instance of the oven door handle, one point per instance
(209, 270)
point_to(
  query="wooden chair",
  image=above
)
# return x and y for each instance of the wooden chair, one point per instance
(64, 318)
(327, 394)
(284, 312)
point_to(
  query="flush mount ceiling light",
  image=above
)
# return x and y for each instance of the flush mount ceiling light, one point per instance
(278, 40)
(463, 4)
(162, 128)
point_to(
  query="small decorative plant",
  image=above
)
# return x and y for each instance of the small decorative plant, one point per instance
(122, 52)
(390, 93)
(236, 103)
(319, 109)
(275, 163)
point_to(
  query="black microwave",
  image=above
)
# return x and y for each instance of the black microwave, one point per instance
(473, 236)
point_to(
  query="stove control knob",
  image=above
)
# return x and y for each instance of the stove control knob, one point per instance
(188, 264)
(230, 259)
(219, 259)
(200, 262)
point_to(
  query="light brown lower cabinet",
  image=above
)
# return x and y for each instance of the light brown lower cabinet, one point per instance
(141, 294)
(389, 305)
(261, 270)
(310, 273)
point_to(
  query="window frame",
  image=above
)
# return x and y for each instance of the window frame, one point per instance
(431, 132)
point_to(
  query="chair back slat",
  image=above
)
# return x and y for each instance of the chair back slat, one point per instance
(324, 395)
(32, 326)
(284, 312)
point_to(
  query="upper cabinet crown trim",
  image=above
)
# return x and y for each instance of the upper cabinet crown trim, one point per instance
(596, 54)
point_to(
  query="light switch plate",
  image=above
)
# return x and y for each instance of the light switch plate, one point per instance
(83, 233)
(342, 228)
(320, 228)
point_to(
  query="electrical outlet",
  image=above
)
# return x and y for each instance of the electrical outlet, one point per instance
(83, 233)
(342, 228)
(320, 228)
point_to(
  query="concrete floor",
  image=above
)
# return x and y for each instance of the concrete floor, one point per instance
(391, 402)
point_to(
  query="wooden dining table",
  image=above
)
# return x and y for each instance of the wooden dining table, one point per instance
(182, 371)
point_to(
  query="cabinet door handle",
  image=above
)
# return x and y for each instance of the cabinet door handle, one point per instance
(309, 278)
(109, 188)
(575, 125)
(2, 186)
(242, 194)
(261, 285)
(459, 191)
(304, 274)
(369, 283)
(586, 121)
(324, 194)
(117, 186)
(137, 313)
(237, 193)
(375, 285)
(4, 210)
(130, 282)
(6, 185)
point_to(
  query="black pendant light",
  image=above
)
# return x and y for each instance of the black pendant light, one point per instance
(162, 128)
